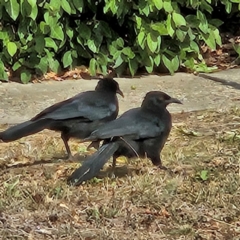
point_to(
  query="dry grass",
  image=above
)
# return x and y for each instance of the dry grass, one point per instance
(199, 199)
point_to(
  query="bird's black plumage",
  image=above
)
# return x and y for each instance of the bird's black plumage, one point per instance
(76, 117)
(141, 131)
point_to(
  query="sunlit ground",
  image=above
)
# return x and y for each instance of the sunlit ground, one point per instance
(198, 199)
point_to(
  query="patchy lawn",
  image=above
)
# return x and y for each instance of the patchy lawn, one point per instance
(198, 199)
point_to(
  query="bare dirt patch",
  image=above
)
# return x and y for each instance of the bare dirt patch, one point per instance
(198, 199)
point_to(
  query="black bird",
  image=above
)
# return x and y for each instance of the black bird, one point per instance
(76, 117)
(138, 132)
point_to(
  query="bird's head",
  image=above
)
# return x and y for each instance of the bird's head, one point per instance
(158, 98)
(109, 85)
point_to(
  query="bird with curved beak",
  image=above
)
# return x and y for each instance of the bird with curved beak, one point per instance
(76, 117)
(138, 132)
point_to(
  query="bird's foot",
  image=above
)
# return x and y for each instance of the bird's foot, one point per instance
(162, 167)
(68, 158)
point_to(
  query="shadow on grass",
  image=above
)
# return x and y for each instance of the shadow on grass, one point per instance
(54, 160)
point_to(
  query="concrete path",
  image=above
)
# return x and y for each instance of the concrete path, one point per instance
(208, 91)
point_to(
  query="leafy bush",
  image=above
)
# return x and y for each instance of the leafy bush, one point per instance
(41, 35)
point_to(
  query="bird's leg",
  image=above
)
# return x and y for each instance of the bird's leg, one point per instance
(94, 144)
(65, 141)
(156, 160)
(112, 175)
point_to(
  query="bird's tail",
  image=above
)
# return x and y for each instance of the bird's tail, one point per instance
(23, 129)
(92, 166)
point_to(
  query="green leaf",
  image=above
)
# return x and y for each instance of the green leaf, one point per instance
(3, 74)
(193, 21)
(34, 9)
(204, 175)
(25, 76)
(206, 7)
(157, 59)
(113, 6)
(138, 21)
(102, 29)
(102, 59)
(39, 43)
(149, 64)
(191, 34)
(194, 46)
(216, 22)
(168, 64)
(79, 4)
(120, 42)
(153, 42)
(133, 66)
(32, 3)
(57, 32)
(141, 38)
(178, 19)
(66, 6)
(209, 40)
(54, 65)
(34, 13)
(112, 49)
(202, 67)
(104, 69)
(74, 54)
(12, 8)
(158, 4)
(44, 27)
(84, 31)
(16, 65)
(69, 32)
(4, 36)
(175, 63)
(146, 10)
(181, 34)
(91, 45)
(12, 48)
(67, 59)
(169, 25)
(228, 6)
(50, 43)
(237, 48)
(160, 28)
(128, 52)
(167, 5)
(217, 36)
(93, 67)
(203, 22)
(43, 64)
(118, 61)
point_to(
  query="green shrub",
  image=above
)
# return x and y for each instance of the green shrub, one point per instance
(42, 35)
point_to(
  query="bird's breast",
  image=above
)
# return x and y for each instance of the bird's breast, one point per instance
(112, 107)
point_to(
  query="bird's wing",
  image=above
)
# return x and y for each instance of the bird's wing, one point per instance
(89, 105)
(134, 123)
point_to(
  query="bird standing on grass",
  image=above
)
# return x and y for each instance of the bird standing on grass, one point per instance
(138, 132)
(76, 117)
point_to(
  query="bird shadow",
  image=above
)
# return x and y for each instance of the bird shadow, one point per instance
(54, 160)
(120, 172)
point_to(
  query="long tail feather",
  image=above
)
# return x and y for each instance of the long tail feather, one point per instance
(92, 166)
(23, 129)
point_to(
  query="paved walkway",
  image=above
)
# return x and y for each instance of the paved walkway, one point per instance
(208, 91)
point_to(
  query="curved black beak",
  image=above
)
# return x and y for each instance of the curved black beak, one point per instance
(174, 100)
(120, 93)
